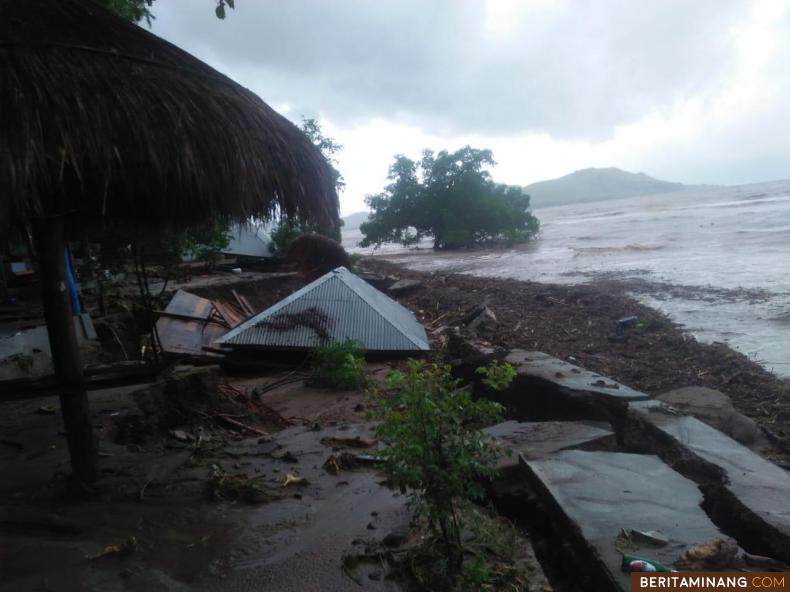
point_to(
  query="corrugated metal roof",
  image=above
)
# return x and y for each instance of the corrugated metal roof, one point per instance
(354, 309)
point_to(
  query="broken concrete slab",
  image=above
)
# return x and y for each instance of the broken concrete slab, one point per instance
(547, 388)
(540, 439)
(715, 409)
(570, 379)
(536, 440)
(746, 494)
(593, 495)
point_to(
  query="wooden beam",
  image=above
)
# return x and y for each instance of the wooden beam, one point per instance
(83, 450)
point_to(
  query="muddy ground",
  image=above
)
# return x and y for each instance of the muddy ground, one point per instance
(580, 324)
(209, 482)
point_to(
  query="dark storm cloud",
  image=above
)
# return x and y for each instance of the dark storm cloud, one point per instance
(570, 69)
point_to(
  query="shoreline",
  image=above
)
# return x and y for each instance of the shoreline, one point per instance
(578, 322)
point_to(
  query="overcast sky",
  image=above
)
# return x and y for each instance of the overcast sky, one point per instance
(696, 91)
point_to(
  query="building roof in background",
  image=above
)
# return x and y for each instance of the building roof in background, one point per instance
(249, 240)
(335, 307)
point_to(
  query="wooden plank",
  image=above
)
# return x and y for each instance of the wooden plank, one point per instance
(218, 312)
(181, 317)
(243, 304)
(188, 323)
(186, 304)
(248, 307)
(229, 312)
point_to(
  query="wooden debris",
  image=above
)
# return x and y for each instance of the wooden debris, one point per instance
(240, 426)
(127, 547)
(294, 479)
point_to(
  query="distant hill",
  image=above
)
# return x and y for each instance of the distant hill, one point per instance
(354, 220)
(597, 185)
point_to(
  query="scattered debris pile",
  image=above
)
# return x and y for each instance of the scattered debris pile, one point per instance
(591, 325)
(190, 325)
(194, 405)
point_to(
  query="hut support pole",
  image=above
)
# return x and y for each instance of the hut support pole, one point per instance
(50, 245)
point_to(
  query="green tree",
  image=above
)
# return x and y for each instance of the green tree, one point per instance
(137, 10)
(287, 230)
(451, 198)
(328, 147)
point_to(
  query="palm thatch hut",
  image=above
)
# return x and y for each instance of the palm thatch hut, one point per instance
(104, 125)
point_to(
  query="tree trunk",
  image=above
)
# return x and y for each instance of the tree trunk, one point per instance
(50, 246)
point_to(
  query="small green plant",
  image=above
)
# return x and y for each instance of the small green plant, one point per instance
(340, 366)
(435, 451)
(497, 376)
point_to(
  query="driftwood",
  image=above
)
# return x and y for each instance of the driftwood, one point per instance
(240, 426)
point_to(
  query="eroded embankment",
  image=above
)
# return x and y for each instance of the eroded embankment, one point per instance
(602, 471)
(582, 324)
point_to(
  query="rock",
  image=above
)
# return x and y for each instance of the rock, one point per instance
(469, 351)
(471, 314)
(715, 409)
(484, 325)
(403, 286)
(591, 496)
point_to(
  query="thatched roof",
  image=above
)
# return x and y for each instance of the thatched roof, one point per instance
(106, 121)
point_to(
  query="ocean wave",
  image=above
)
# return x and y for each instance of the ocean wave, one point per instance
(630, 248)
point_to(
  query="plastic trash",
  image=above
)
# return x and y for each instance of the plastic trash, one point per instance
(634, 563)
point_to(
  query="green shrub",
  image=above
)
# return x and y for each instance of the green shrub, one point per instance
(497, 376)
(340, 366)
(435, 451)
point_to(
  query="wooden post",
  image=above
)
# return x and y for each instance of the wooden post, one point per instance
(50, 245)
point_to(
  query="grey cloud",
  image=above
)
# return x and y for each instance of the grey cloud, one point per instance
(573, 73)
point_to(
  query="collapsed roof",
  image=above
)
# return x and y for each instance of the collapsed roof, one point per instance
(335, 307)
